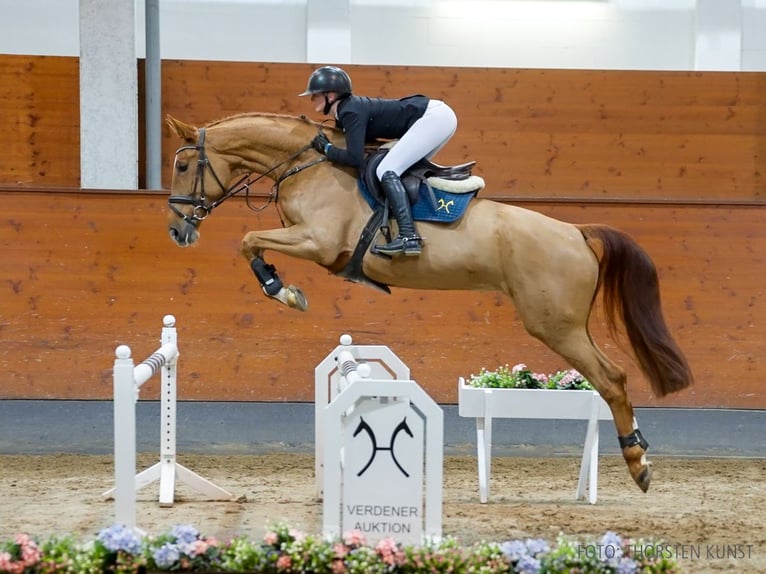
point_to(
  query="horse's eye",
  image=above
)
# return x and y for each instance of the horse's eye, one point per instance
(181, 167)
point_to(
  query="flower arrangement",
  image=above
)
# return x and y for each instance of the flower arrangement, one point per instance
(520, 377)
(18, 556)
(284, 550)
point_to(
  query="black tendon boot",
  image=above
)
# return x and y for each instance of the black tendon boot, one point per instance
(408, 241)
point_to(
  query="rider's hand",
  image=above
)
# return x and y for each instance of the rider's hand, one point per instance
(321, 143)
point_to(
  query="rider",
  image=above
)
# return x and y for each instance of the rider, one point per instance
(422, 125)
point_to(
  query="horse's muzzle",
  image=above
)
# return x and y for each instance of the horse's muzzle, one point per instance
(183, 233)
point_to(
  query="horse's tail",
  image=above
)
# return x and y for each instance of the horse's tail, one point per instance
(631, 290)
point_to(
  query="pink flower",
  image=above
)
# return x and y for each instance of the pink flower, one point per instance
(283, 562)
(9, 565)
(297, 534)
(199, 547)
(354, 538)
(389, 551)
(271, 538)
(518, 368)
(30, 553)
(5, 561)
(339, 550)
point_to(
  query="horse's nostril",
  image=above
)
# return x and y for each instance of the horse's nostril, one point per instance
(173, 233)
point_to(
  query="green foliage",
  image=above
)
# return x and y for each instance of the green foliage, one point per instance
(284, 550)
(520, 377)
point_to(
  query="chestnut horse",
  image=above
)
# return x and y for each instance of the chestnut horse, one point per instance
(551, 270)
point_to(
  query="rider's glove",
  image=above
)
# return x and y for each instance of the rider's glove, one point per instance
(321, 143)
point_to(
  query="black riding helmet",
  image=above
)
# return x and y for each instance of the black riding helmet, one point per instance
(328, 79)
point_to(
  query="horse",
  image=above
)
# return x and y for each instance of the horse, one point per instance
(550, 269)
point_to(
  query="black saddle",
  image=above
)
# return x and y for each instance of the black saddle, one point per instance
(413, 177)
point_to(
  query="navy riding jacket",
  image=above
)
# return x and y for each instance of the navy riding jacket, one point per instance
(365, 119)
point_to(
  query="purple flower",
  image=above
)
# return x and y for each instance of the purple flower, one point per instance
(627, 566)
(528, 565)
(186, 537)
(610, 549)
(166, 555)
(523, 553)
(184, 533)
(119, 537)
(514, 549)
(537, 546)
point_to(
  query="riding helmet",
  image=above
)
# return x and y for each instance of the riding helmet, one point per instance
(328, 79)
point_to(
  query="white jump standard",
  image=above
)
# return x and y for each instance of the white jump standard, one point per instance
(330, 379)
(127, 380)
(383, 450)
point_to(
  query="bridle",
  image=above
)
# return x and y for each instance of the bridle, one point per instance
(202, 207)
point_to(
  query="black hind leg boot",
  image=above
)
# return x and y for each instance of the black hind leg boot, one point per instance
(408, 242)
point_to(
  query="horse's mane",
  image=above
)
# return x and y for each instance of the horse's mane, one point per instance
(246, 115)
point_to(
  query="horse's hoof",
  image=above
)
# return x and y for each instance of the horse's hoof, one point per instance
(644, 477)
(296, 299)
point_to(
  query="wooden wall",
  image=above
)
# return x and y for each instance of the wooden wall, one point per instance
(535, 133)
(40, 115)
(675, 159)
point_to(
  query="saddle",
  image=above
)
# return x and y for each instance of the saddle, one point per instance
(416, 175)
(458, 179)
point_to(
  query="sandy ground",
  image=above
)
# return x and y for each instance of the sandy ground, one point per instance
(706, 506)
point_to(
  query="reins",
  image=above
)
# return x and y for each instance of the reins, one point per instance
(202, 207)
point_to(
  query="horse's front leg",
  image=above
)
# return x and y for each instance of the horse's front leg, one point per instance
(271, 284)
(294, 241)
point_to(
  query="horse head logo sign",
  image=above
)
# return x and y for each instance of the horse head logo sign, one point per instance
(401, 427)
(383, 470)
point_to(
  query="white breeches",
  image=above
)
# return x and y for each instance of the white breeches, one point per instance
(426, 137)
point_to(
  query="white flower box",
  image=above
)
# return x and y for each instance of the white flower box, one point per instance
(484, 404)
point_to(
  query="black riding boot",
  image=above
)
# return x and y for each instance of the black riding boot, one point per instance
(408, 241)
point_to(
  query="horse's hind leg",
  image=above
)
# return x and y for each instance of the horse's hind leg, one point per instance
(577, 347)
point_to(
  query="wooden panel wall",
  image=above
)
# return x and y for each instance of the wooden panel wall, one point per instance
(40, 115)
(85, 272)
(540, 133)
(535, 133)
(675, 159)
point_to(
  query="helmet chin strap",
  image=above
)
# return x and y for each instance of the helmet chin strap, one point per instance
(327, 105)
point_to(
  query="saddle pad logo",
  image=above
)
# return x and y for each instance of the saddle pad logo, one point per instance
(446, 206)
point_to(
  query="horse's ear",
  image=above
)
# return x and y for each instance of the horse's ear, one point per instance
(186, 132)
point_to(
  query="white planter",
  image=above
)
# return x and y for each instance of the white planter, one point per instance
(485, 404)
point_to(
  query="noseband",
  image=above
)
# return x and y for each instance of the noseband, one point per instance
(202, 207)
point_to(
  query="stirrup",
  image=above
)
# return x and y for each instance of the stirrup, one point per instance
(409, 246)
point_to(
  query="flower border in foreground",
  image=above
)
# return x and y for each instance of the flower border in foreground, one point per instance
(284, 550)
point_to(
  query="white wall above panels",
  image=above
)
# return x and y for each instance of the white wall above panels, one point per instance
(754, 35)
(40, 27)
(524, 34)
(243, 30)
(587, 34)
